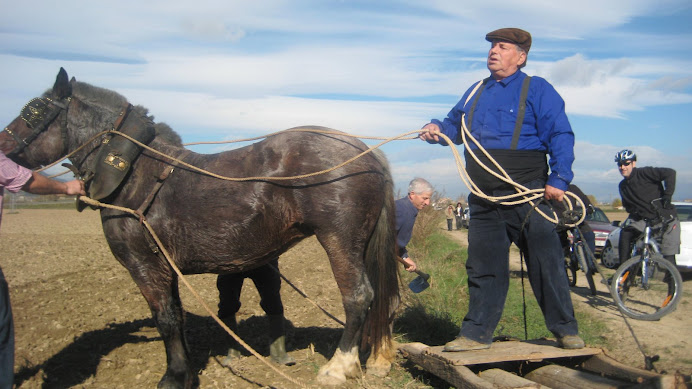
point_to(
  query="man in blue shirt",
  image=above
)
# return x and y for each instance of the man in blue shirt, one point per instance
(519, 122)
(418, 197)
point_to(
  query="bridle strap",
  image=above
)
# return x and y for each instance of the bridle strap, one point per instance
(121, 118)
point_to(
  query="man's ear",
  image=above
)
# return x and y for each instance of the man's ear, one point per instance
(522, 58)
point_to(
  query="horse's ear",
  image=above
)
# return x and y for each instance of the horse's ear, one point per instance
(62, 88)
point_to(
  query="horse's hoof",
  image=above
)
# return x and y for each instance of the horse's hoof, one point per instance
(169, 383)
(378, 371)
(327, 378)
(380, 362)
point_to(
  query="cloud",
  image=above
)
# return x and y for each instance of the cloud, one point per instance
(212, 29)
(227, 69)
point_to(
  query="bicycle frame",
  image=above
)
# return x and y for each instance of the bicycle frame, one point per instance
(648, 244)
(581, 255)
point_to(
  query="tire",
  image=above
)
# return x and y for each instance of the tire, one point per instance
(609, 258)
(571, 269)
(660, 296)
(584, 265)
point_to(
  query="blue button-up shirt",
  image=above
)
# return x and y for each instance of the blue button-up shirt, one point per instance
(405, 219)
(545, 127)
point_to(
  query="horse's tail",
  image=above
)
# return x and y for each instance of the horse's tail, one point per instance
(382, 271)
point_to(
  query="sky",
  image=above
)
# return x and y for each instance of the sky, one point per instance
(225, 69)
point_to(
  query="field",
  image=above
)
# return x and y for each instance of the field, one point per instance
(81, 322)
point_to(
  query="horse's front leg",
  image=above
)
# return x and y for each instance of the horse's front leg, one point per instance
(160, 288)
(357, 294)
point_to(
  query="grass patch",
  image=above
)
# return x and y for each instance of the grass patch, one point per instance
(433, 317)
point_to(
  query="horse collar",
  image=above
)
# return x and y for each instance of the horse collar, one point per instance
(117, 153)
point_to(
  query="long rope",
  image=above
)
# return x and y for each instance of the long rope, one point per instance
(523, 194)
(306, 296)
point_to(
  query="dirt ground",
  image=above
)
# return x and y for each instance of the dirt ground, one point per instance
(81, 322)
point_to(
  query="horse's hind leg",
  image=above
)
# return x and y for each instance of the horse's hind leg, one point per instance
(160, 289)
(357, 294)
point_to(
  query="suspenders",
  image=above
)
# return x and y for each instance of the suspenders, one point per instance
(520, 113)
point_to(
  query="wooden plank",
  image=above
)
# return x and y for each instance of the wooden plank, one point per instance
(606, 365)
(505, 379)
(557, 376)
(531, 350)
(458, 376)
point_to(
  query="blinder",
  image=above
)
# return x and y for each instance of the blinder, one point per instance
(38, 114)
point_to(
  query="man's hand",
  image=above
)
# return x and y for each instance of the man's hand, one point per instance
(553, 193)
(75, 187)
(430, 133)
(40, 184)
(410, 265)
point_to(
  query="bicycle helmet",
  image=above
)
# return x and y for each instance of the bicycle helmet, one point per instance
(625, 155)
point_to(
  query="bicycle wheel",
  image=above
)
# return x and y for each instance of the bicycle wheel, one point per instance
(584, 264)
(649, 294)
(571, 269)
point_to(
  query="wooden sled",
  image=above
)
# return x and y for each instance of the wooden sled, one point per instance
(535, 364)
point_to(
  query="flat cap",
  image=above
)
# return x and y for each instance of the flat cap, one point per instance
(513, 35)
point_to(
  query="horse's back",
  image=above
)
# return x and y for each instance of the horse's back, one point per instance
(243, 221)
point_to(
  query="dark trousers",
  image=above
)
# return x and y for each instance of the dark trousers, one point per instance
(449, 224)
(6, 336)
(627, 237)
(492, 231)
(266, 280)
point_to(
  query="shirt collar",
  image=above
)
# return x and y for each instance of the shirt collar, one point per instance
(410, 206)
(511, 78)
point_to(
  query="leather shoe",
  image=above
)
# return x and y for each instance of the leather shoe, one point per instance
(465, 344)
(570, 342)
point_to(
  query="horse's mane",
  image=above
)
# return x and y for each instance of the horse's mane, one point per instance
(109, 100)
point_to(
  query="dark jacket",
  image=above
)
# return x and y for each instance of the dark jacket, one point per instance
(644, 185)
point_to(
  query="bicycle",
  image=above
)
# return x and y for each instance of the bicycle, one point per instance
(578, 255)
(647, 286)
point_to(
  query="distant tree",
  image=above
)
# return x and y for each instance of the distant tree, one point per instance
(592, 198)
(617, 203)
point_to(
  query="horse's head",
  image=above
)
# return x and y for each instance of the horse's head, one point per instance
(38, 135)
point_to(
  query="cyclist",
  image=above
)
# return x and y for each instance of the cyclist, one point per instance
(639, 187)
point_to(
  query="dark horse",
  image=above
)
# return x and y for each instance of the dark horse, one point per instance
(212, 225)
